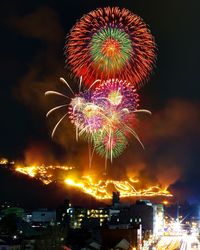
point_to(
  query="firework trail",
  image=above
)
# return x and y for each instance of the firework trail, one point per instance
(80, 109)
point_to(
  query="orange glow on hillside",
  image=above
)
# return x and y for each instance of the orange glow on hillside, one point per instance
(100, 189)
(46, 174)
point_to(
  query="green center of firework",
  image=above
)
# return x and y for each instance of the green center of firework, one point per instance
(109, 144)
(111, 48)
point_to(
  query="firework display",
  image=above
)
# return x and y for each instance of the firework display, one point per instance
(118, 96)
(110, 144)
(111, 43)
(84, 114)
(105, 116)
(118, 100)
(112, 51)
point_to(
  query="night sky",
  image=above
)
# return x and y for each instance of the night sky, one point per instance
(32, 60)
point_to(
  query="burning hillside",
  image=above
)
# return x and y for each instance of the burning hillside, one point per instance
(99, 188)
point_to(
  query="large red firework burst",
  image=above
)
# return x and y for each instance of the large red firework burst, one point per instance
(111, 43)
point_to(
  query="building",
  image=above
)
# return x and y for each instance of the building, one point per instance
(111, 237)
(87, 218)
(9, 245)
(143, 209)
(19, 212)
(43, 217)
(63, 214)
(158, 220)
(115, 199)
(95, 218)
(76, 215)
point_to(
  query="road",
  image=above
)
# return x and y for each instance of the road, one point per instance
(186, 242)
(190, 242)
(169, 243)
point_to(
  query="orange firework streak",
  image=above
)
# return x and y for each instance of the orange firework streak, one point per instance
(99, 189)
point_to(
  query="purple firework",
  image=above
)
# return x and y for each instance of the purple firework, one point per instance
(84, 114)
(116, 95)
